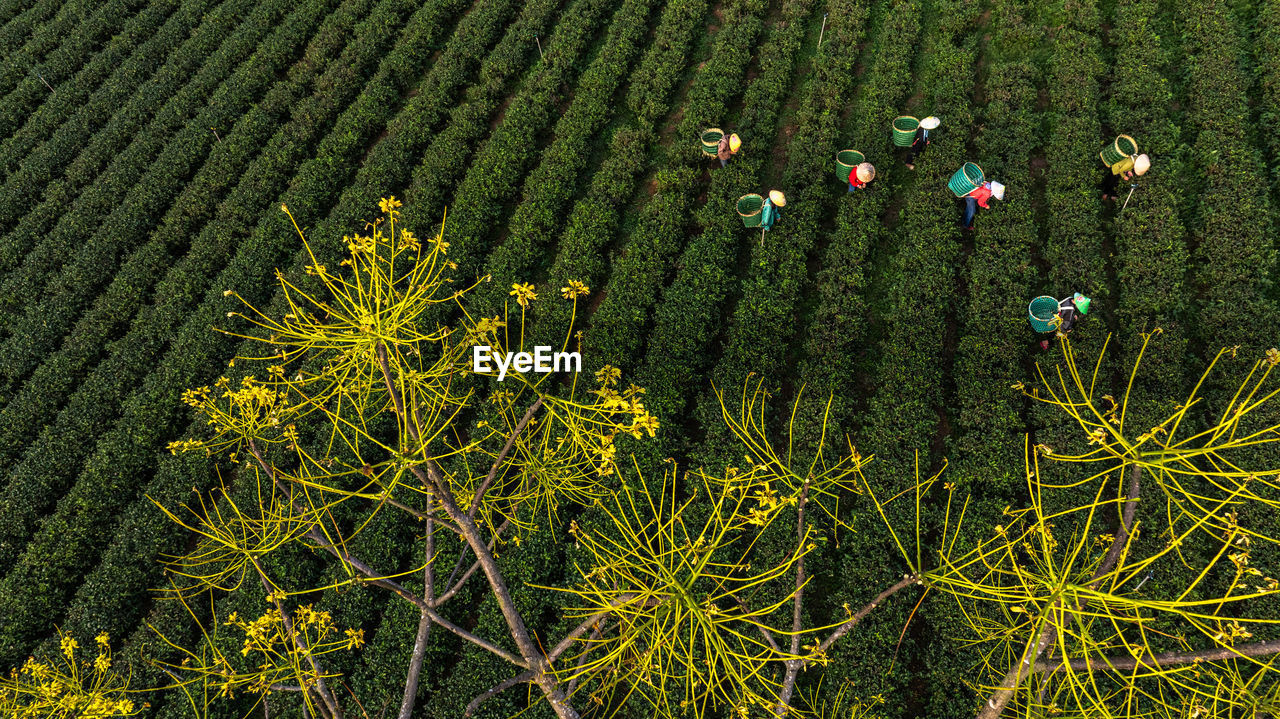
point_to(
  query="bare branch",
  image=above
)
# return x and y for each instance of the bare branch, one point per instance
(1155, 662)
(498, 689)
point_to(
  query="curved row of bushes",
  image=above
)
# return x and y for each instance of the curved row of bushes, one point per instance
(109, 595)
(40, 151)
(1073, 238)
(686, 315)
(31, 37)
(72, 50)
(107, 254)
(1235, 257)
(903, 415)
(69, 264)
(1151, 250)
(999, 276)
(46, 464)
(550, 188)
(123, 456)
(445, 163)
(19, 21)
(836, 335)
(37, 246)
(581, 252)
(1267, 46)
(494, 177)
(152, 33)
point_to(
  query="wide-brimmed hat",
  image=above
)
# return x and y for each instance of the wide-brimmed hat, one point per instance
(778, 198)
(735, 142)
(1081, 303)
(930, 123)
(1141, 164)
(997, 190)
(866, 172)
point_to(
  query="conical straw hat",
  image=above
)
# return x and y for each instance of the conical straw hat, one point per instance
(866, 172)
(930, 123)
(997, 190)
(1141, 164)
(778, 198)
(734, 142)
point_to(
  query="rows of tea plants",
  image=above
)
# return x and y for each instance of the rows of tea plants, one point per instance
(129, 565)
(164, 153)
(149, 36)
(838, 330)
(112, 464)
(39, 152)
(74, 162)
(919, 276)
(65, 297)
(32, 489)
(146, 178)
(1151, 247)
(762, 325)
(56, 50)
(551, 186)
(1234, 256)
(621, 323)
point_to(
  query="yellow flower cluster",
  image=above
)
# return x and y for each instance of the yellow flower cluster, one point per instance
(523, 293)
(575, 289)
(70, 690)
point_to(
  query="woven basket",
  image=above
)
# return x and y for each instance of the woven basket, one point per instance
(966, 180)
(846, 160)
(904, 130)
(1043, 314)
(711, 140)
(1123, 146)
(749, 207)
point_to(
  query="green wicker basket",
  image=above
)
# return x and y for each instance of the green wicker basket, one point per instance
(904, 130)
(711, 140)
(749, 207)
(1123, 146)
(966, 180)
(846, 160)
(1043, 314)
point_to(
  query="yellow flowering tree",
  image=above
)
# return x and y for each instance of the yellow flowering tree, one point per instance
(68, 685)
(359, 404)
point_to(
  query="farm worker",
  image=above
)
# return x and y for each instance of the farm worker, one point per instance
(1070, 310)
(921, 141)
(769, 213)
(979, 198)
(1126, 169)
(860, 175)
(727, 148)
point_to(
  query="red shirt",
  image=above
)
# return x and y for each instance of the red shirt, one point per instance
(853, 178)
(982, 194)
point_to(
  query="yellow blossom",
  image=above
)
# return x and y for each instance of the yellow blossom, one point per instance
(575, 289)
(523, 293)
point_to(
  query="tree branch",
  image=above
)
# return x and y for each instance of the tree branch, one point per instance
(861, 614)
(999, 699)
(496, 690)
(794, 665)
(424, 625)
(497, 463)
(533, 657)
(1156, 662)
(377, 579)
